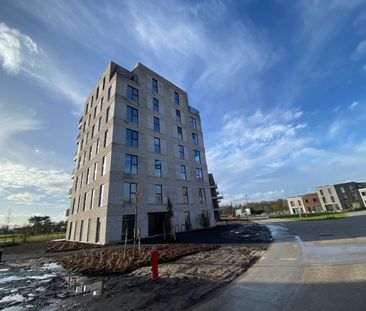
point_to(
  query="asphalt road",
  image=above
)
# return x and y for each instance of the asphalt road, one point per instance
(313, 265)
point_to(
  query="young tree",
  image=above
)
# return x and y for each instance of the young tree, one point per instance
(7, 220)
(169, 207)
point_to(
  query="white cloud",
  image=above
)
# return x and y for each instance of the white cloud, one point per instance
(360, 50)
(353, 105)
(335, 128)
(17, 177)
(16, 49)
(24, 198)
(20, 54)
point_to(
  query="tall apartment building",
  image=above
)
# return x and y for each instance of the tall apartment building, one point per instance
(362, 192)
(140, 143)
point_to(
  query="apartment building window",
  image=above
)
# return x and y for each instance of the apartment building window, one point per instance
(76, 228)
(131, 138)
(157, 148)
(97, 231)
(329, 191)
(194, 139)
(128, 223)
(155, 105)
(321, 192)
(86, 138)
(131, 164)
(107, 115)
(181, 152)
(132, 115)
(99, 123)
(109, 93)
(177, 116)
(342, 190)
(81, 180)
(187, 220)
(95, 112)
(176, 98)
(73, 206)
(101, 104)
(92, 193)
(182, 171)
(103, 83)
(180, 133)
(132, 94)
(332, 199)
(90, 152)
(76, 183)
(88, 231)
(101, 195)
(86, 109)
(298, 202)
(70, 230)
(97, 94)
(92, 100)
(104, 165)
(95, 170)
(292, 203)
(199, 174)
(154, 85)
(156, 124)
(159, 194)
(157, 168)
(92, 131)
(129, 193)
(197, 156)
(105, 138)
(193, 122)
(84, 158)
(324, 200)
(78, 207)
(81, 230)
(202, 195)
(87, 176)
(185, 195)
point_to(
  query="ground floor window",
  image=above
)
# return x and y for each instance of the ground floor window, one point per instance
(187, 220)
(97, 231)
(70, 229)
(128, 223)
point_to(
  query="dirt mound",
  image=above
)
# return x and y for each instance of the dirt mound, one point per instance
(114, 261)
(65, 246)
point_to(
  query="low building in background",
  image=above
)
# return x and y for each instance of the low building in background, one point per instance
(349, 195)
(215, 196)
(296, 205)
(329, 199)
(362, 192)
(312, 203)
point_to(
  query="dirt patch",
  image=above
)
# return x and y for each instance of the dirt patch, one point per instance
(182, 284)
(65, 246)
(114, 261)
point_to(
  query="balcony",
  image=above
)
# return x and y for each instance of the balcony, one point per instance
(78, 138)
(193, 110)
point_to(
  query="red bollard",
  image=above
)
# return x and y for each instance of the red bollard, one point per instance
(154, 263)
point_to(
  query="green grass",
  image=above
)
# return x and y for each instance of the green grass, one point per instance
(315, 217)
(19, 238)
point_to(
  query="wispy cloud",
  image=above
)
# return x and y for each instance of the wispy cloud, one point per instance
(20, 54)
(353, 105)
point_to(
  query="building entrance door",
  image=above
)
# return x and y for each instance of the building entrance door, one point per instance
(158, 223)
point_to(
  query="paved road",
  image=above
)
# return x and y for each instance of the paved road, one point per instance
(313, 265)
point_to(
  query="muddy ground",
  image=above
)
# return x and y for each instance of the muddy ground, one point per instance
(42, 284)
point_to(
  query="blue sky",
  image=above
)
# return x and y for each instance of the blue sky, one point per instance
(281, 87)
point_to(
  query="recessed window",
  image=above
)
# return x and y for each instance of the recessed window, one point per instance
(157, 148)
(185, 195)
(132, 94)
(176, 98)
(182, 172)
(131, 164)
(181, 152)
(99, 123)
(84, 202)
(199, 174)
(132, 115)
(109, 93)
(193, 123)
(92, 199)
(131, 138)
(154, 85)
(103, 83)
(97, 147)
(155, 105)
(97, 230)
(95, 170)
(105, 138)
(179, 133)
(194, 138)
(107, 115)
(156, 124)
(104, 165)
(158, 194)
(129, 193)
(197, 156)
(177, 116)
(101, 195)
(157, 168)
(202, 195)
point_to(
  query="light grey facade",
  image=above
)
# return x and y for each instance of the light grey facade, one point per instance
(296, 205)
(139, 138)
(329, 199)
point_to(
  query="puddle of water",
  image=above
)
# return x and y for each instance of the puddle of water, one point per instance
(11, 279)
(12, 298)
